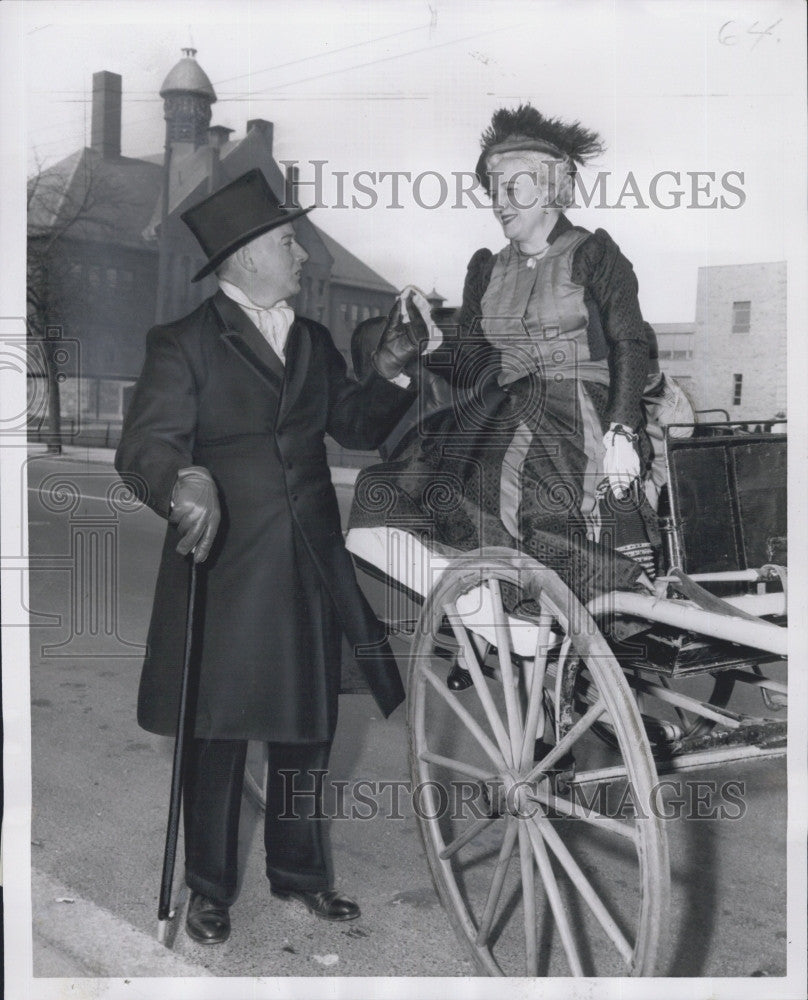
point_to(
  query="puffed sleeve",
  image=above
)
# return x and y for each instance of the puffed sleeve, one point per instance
(467, 353)
(478, 274)
(611, 284)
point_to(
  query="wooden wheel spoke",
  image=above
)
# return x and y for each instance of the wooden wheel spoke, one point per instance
(535, 689)
(502, 631)
(568, 740)
(456, 765)
(544, 829)
(555, 900)
(497, 881)
(466, 837)
(576, 811)
(481, 687)
(528, 903)
(492, 751)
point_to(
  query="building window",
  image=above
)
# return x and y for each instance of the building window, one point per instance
(112, 277)
(741, 316)
(321, 288)
(94, 275)
(127, 279)
(737, 386)
(681, 355)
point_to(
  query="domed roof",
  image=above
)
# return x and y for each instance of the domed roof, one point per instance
(189, 77)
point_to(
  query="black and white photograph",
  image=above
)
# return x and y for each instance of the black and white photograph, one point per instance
(403, 451)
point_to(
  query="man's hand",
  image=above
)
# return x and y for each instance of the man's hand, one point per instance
(195, 511)
(405, 334)
(621, 463)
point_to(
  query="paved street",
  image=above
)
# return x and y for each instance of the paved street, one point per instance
(100, 793)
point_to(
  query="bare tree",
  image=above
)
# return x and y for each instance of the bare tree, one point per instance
(71, 201)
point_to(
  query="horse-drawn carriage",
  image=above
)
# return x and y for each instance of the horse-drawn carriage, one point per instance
(539, 727)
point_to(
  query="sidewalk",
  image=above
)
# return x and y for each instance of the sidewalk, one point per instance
(403, 930)
(74, 938)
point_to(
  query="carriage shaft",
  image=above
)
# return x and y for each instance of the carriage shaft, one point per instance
(682, 614)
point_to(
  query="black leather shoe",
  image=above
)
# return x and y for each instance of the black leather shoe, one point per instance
(207, 921)
(328, 905)
(458, 679)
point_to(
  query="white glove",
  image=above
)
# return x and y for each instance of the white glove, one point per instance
(621, 463)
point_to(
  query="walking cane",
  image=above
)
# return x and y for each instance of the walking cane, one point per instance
(164, 913)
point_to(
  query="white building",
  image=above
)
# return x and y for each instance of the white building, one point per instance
(739, 353)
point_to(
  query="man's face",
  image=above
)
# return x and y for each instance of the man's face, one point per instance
(273, 262)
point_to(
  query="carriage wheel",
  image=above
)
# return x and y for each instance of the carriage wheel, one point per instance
(542, 869)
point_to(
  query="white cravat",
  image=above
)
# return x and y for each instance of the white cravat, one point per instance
(274, 323)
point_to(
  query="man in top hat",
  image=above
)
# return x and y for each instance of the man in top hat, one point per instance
(225, 437)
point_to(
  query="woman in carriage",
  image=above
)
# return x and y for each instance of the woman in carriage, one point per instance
(532, 432)
(542, 446)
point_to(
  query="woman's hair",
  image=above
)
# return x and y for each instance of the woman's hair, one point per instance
(558, 171)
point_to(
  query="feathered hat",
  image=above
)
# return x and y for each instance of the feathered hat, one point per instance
(527, 128)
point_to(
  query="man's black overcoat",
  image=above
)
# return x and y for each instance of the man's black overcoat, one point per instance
(279, 586)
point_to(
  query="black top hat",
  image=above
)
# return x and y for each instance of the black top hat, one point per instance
(234, 215)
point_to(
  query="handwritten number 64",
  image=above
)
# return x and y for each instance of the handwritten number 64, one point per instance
(729, 32)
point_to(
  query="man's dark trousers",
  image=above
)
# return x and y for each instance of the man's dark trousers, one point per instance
(296, 848)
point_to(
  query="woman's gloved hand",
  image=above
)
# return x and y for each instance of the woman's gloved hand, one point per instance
(621, 463)
(195, 511)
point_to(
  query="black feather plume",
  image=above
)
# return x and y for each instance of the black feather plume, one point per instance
(570, 138)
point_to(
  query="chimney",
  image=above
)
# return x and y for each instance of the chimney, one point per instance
(106, 126)
(291, 182)
(219, 135)
(263, 126)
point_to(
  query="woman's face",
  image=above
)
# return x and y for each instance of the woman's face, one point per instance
(521, 191)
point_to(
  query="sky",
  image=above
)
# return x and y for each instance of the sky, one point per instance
(409, 86)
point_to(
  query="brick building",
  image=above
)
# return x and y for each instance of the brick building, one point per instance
(107, 242)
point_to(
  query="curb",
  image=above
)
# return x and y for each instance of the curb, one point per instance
(79, 939)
